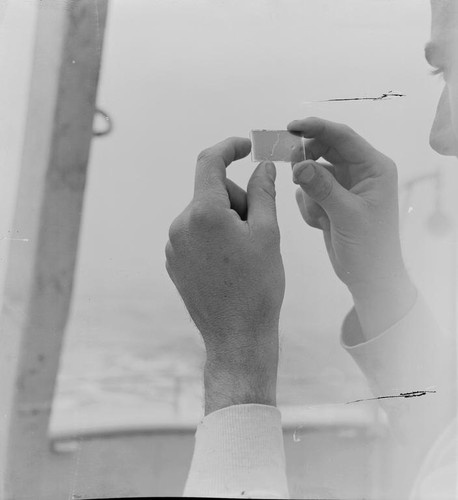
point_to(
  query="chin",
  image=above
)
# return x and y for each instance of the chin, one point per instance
(445, 148)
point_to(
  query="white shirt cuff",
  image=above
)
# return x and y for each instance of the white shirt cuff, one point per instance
(239, 453)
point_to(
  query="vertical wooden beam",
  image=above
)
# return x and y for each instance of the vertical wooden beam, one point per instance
(39, 280)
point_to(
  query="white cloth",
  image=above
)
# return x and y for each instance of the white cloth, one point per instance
(239, 450)
(414, 355)
(239, 453)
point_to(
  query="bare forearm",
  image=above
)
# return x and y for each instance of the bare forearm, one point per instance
(382, 304)
(246, 375)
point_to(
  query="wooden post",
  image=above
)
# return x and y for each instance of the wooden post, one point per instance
(42, 256)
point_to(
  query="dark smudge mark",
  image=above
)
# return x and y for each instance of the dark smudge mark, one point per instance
(412, 394)
(387, 95)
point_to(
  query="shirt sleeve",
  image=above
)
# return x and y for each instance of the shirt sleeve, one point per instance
(239, 453)
(414, 356)
(413, 360)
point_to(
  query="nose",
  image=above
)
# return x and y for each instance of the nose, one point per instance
(442, 136)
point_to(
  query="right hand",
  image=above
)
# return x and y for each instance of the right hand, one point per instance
(353, 199)
(223, 255)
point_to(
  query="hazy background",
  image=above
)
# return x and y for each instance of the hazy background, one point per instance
(178, 76)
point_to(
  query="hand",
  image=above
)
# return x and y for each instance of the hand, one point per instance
(224, 257)
(353, 200)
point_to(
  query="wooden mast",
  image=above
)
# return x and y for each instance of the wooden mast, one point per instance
(42, 256)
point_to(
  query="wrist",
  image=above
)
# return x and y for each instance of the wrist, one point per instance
(383, 302)
(244, 375)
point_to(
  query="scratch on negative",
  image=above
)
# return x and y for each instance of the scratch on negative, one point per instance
(7, 238)
(413, 394)
(386, 95)
(275, 145)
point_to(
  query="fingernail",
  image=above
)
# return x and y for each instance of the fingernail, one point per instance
(270, 169)
(304, 174)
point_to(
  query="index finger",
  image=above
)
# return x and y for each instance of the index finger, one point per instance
(210, 177)
(336, 142)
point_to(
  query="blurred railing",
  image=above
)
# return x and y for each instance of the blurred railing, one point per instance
(175, 402)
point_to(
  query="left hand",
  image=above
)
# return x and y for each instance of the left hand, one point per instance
(354, 200)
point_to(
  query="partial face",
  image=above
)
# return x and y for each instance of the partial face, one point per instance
(442, 54)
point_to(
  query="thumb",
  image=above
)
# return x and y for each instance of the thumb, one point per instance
(261, 196)
(322, 187)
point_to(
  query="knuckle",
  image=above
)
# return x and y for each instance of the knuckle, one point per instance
(315, 121)
(198, 214)
(203, 216)
(175, 231)
(168, 251)
(205, 155)
(346, 129)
